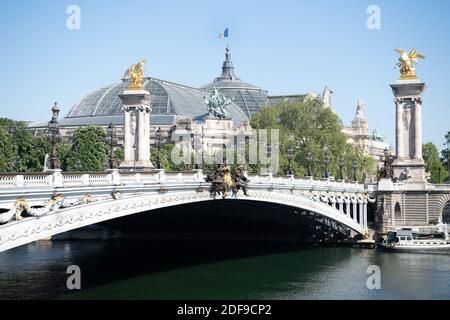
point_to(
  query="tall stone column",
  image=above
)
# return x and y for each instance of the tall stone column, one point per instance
(418, 128)
(136, 107)
(399, 141)
(365, 214)
(408, 164)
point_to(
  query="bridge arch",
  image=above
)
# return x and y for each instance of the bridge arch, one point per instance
(398, 213)
(443, 207)
(31, 229)
(446, 213)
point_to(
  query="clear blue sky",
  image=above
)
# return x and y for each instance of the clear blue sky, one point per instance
(286, 47)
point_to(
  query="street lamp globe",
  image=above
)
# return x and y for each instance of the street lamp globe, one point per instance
(290, 154)
(110, 129)
(55, 110)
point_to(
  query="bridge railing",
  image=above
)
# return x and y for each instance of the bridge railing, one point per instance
(115, 177)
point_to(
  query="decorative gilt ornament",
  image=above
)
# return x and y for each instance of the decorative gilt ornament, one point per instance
(406, 63)
(87, 198)
(136, 73)
(21, 205)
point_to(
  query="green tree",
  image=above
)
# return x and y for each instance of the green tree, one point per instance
(445, 151)
(89, 147)
(434, 165)
(64, 152)
(7, 151)
(24, 158)
(166, 158)
(42, 146)
(308, 127)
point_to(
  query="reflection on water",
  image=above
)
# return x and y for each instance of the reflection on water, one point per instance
(214, 270)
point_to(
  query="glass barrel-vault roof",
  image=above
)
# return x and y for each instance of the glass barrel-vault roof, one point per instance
(167, 98)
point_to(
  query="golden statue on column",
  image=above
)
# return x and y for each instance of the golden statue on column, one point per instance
(406, 63)
(136, 74)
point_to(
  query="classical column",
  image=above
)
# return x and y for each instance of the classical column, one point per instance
(136, 107)
(418, 128)
(144, 137)
(400, 152)
(355, 211)
(347, 208)
(408, 165)
(365, 214)
(362, 207)
(128, 144)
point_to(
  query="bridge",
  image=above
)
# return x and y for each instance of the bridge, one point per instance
(36, 206)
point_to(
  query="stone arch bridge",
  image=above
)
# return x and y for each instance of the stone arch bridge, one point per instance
(36, 206)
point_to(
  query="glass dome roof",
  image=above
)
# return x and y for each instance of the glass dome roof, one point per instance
(167, 98)
(247, 96)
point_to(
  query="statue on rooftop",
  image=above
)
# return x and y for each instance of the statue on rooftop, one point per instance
(218, 105)
(360, 109)
(378, 136)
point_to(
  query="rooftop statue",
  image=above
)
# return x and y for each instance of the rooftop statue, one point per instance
(218, 105)
(406, 63)
(378, 136)
(135, 73)
(360, 109)
(311, 97)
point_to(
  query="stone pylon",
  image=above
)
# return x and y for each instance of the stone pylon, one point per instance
(136, 130)
(408, 164)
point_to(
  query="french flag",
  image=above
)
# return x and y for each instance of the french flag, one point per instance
(223, 34)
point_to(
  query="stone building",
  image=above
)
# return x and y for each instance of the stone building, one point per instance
(358, 134)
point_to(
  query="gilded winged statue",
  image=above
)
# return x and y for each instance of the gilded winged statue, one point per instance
(406, 63)
(136, 73)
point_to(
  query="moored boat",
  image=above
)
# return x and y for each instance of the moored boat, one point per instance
(406, 240)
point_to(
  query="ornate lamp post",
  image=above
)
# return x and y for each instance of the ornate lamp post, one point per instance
(448, 160)
(224, 156)
(158, 138)
(54, 136)
(135, 155)
(11, 131)
(386, 160)
(354, 167)
(199, 151)
(326, 162)
(290, 156)
(309, 159)
(78, 165)
(112, 141)
(268, 154)
(14, 164)
(341, 168)
(365, 171)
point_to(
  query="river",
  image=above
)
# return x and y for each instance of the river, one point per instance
(150, 269)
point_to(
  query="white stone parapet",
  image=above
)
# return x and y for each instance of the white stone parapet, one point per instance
(115, 177)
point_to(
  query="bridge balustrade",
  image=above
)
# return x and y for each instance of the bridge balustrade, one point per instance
(114, 177)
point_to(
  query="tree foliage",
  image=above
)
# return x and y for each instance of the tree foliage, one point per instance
(307, 126)
(21, 152)
(445, 154)
(88, 147)
(434, 165)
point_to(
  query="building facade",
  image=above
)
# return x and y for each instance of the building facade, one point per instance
(176, 107)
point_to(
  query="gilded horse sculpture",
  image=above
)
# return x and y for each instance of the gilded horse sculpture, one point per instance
(406, 63)
(136, 74)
